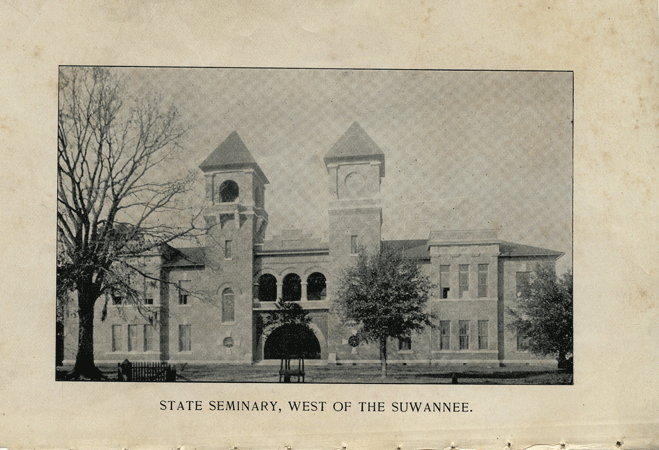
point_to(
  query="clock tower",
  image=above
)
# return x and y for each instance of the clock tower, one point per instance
(356, 165)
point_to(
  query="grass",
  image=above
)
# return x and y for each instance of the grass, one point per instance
(361, 374)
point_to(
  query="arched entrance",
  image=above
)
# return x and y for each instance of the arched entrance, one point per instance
(291, 341)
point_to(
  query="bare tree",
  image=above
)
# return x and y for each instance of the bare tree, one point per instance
(110, 200)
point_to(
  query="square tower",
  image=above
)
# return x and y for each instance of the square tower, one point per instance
(235, 221)
(356, 166)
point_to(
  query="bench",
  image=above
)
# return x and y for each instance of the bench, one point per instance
(286, 372)
(145, 371)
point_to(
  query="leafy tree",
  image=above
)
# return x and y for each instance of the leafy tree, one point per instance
(285, 313)
(543, 314)
(385, 295)
(109, 197)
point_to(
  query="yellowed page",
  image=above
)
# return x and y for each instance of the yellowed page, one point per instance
(612, 48)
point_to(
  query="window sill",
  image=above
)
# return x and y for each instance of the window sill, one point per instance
(465, 299)
(405, 352)
(465, 351)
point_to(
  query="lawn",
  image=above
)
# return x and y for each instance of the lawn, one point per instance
(362, 373)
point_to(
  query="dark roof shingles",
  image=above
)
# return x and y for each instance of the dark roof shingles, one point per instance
(511, 249)
(410, 248)
(231, 153)
(186, 257)
(355, 145)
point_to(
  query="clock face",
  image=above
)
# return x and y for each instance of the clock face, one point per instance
(354, 184)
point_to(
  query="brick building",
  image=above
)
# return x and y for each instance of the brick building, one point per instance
(208, 305)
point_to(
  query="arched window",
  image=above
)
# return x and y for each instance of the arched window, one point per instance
(229, 191)
(228, 312)
(292, 288)
(267, 288)
(316, 286)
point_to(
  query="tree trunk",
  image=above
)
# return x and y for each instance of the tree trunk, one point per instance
(84, 365)
(383, 356)
(561, 359)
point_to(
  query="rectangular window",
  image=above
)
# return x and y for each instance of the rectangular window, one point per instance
(149, 289)
(445, 335)
(522, 343)
(132, 338)
(227, 249)
(183, 291)
(521, 283)
(482, 334)
(464, 334)
(444, 285)
(482, 280)
(464, 279)
(116, 338)
(404, 344)
(149, 341)
(228, 306)
(354, 245)
(184, 338)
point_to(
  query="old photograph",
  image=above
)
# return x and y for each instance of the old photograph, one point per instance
(331, 226)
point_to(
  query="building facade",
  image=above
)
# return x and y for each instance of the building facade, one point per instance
(206, 304)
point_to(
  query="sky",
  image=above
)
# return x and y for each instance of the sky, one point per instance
(463, 149)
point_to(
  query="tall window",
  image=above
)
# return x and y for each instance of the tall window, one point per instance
(482, 280)
(267, 288)
(184, 338)
(444, 334)
(444, 281)
(464, 334)
(464, 279)
(149, 341)
(354, 245)
(482, 334)
(292, 288)
(227, 249)
(258, 196)
(132, 338)
(316, 286)
(149, 289)
(116, 338)
(228, 313)
(183, 291)
(404, 344)
(522, 283)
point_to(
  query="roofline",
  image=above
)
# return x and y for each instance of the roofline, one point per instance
(207, 169)
(555, 255)
(186, 266)
(339, 160)
(306, 251)
(463, 243)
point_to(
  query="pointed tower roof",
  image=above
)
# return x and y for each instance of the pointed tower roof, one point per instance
(355, 145)
(231, 154)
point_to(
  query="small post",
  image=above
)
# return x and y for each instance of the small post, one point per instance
(125, 371)
(454, 378)
(170, 373)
